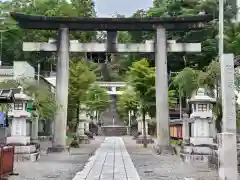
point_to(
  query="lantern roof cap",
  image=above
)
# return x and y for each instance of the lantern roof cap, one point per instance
(201, 96)
(22, 96)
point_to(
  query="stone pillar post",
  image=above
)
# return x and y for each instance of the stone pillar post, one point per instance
(162, 112)
(81, 128)
(228, 165)
(87, 126)
(114, 90)
(59, 139)
(112, 39)
(146, 125)
(185, 129)
(214, 134)
(35, 128)
(140, 126)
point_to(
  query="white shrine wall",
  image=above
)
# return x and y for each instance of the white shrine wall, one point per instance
(20, 69)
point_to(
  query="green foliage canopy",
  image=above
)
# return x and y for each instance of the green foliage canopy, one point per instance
(97, 99)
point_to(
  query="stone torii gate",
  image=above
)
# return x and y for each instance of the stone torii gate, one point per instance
(112, 25)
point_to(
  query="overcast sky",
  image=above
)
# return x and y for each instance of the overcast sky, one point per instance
(107, 8)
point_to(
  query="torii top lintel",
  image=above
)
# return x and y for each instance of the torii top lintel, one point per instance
(110, 24)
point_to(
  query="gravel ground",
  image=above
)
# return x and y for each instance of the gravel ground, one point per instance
(57, 166)
(154, 167)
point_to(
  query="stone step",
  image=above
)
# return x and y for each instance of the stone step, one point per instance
(114, 130)
(108, 117)
(27, 157)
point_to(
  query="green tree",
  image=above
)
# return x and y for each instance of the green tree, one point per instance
(128, 102)
(237, 80)
(142, 79)
(13, 51)
(232, 38)
(80, 79)
(97, 100)
(210, 78)
(186, 82)
(43, 99)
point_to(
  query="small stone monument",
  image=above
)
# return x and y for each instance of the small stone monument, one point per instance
(199, 129)
(140, 138)
(83, 121)
(24, 150)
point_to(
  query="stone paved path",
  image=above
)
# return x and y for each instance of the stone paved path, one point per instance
(169, 167)
(111, 162)
(57, 166)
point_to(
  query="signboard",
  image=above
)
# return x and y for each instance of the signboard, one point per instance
(2, 120)
(29, 107)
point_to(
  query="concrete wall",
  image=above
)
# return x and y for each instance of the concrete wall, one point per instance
(6, 73)
(23, 69)
(19, 69)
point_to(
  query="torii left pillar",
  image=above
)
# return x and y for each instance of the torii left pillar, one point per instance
(60, 120)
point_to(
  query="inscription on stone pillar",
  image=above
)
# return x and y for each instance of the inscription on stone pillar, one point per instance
(227, 143)
(227, 78)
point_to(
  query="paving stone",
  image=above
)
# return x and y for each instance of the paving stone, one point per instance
(153, 167)
(110, 163)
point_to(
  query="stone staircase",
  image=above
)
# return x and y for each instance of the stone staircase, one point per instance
(114, 130)
(110, 129)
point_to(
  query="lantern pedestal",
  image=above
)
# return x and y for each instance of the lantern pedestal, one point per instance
(82, 138)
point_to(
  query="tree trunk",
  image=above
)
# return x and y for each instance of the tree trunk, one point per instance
(144, 129)
(77, 115)
(180, 106)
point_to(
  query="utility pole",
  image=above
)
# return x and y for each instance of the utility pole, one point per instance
(221, 29)
(38, 72)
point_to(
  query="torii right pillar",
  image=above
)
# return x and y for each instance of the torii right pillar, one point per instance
(162, 112)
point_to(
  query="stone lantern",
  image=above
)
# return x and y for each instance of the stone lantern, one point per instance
(140, 138)
(83, 126)
(19, 114)
(199, 129)
(24, 150)
(202, 125)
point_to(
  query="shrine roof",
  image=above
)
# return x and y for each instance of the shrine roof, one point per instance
(175, 121)
(7, 95)
(110, 24)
